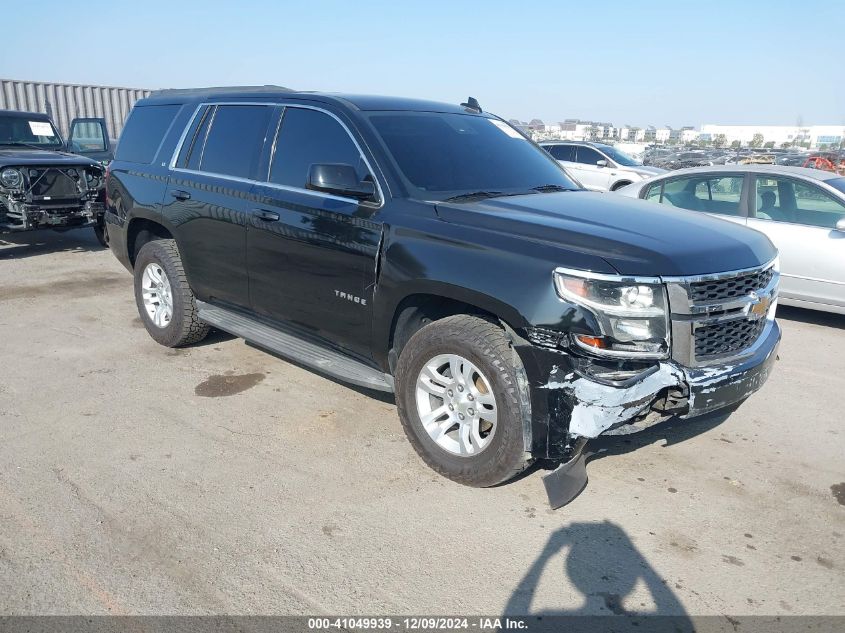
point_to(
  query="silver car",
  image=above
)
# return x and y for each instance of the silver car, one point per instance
(802, 211)
(598, 166)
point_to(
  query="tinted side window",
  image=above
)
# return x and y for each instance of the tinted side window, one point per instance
(235, 139)
(193, 140)
(588, 156)
(307, 137)
(563, 152)
(144, 132)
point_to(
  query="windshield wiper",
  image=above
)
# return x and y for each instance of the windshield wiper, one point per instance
(550, 188)
(474, 195)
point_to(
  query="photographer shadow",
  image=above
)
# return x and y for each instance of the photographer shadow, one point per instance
(608, 574)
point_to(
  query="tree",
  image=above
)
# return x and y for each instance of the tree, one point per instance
(769, 145)
(735, 145)
(720, 140)
(823, 146)
(757, 140)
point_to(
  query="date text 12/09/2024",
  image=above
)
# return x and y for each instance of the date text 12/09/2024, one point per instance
(418, 623)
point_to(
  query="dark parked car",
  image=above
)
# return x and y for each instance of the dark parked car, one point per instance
(46, 183)
(681, 160)
(433, 251)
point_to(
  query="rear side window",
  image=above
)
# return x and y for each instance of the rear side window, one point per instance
(235, 140)
(307, 137)
(144, 131)
(562, 152)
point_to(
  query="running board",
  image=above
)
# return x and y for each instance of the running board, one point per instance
(288, 342)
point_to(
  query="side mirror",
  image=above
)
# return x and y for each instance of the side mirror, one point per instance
(341, 180)
(601, 163)
(840, 225)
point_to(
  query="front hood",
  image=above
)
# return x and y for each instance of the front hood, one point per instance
(633, 236)
(11, 156)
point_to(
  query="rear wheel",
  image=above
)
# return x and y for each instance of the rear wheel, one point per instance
(460, 402)
(165, 301)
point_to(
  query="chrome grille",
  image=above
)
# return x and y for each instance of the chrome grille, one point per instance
(719, 339)
(712, 316)
(730, 288)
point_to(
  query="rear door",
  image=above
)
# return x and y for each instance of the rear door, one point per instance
(210, 196)
(312, 255)
(800, 218)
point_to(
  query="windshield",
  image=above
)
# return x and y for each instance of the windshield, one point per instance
(837, 183)
(444, 155)
(620, 158)
(21, 130)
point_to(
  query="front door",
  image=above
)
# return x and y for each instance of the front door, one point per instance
(800, 219)
(312, 256)
(89, 137)
(589, 172)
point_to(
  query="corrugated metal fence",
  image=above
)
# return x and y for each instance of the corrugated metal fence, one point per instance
(64, 102)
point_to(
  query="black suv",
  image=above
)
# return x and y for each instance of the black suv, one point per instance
(433, 250)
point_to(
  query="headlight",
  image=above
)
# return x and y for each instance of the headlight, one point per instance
(632, 313)
(11, 178)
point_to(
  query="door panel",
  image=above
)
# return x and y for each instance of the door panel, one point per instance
(89, 137)
(210, 196)
(210, 228)
(315, 264)
(812, 258)
(591, 175)
(312, 256)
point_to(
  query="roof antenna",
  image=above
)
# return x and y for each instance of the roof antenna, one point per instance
(472, 104)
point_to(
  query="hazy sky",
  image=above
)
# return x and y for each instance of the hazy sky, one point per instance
(675, 63)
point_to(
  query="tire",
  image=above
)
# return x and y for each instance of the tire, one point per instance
(101, 233)
(484, 345)
(183, 327)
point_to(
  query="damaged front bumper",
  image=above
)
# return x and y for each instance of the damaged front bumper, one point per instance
(666, 390)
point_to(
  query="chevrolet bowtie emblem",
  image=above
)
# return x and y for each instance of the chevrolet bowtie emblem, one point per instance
(760, 308)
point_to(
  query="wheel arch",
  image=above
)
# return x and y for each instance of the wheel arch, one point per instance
(140, 231)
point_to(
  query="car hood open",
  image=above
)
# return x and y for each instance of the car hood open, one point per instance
(634, 237)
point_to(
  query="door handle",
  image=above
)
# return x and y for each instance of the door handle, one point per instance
(267, 216)
(180, 195)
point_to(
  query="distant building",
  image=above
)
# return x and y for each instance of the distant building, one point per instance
(814, 136)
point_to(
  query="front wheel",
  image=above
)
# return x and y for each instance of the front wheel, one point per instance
(101, 233)
(460, 401)
(165, 301)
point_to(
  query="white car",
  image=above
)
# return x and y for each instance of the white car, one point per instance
(802, 211)
(597, 166)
